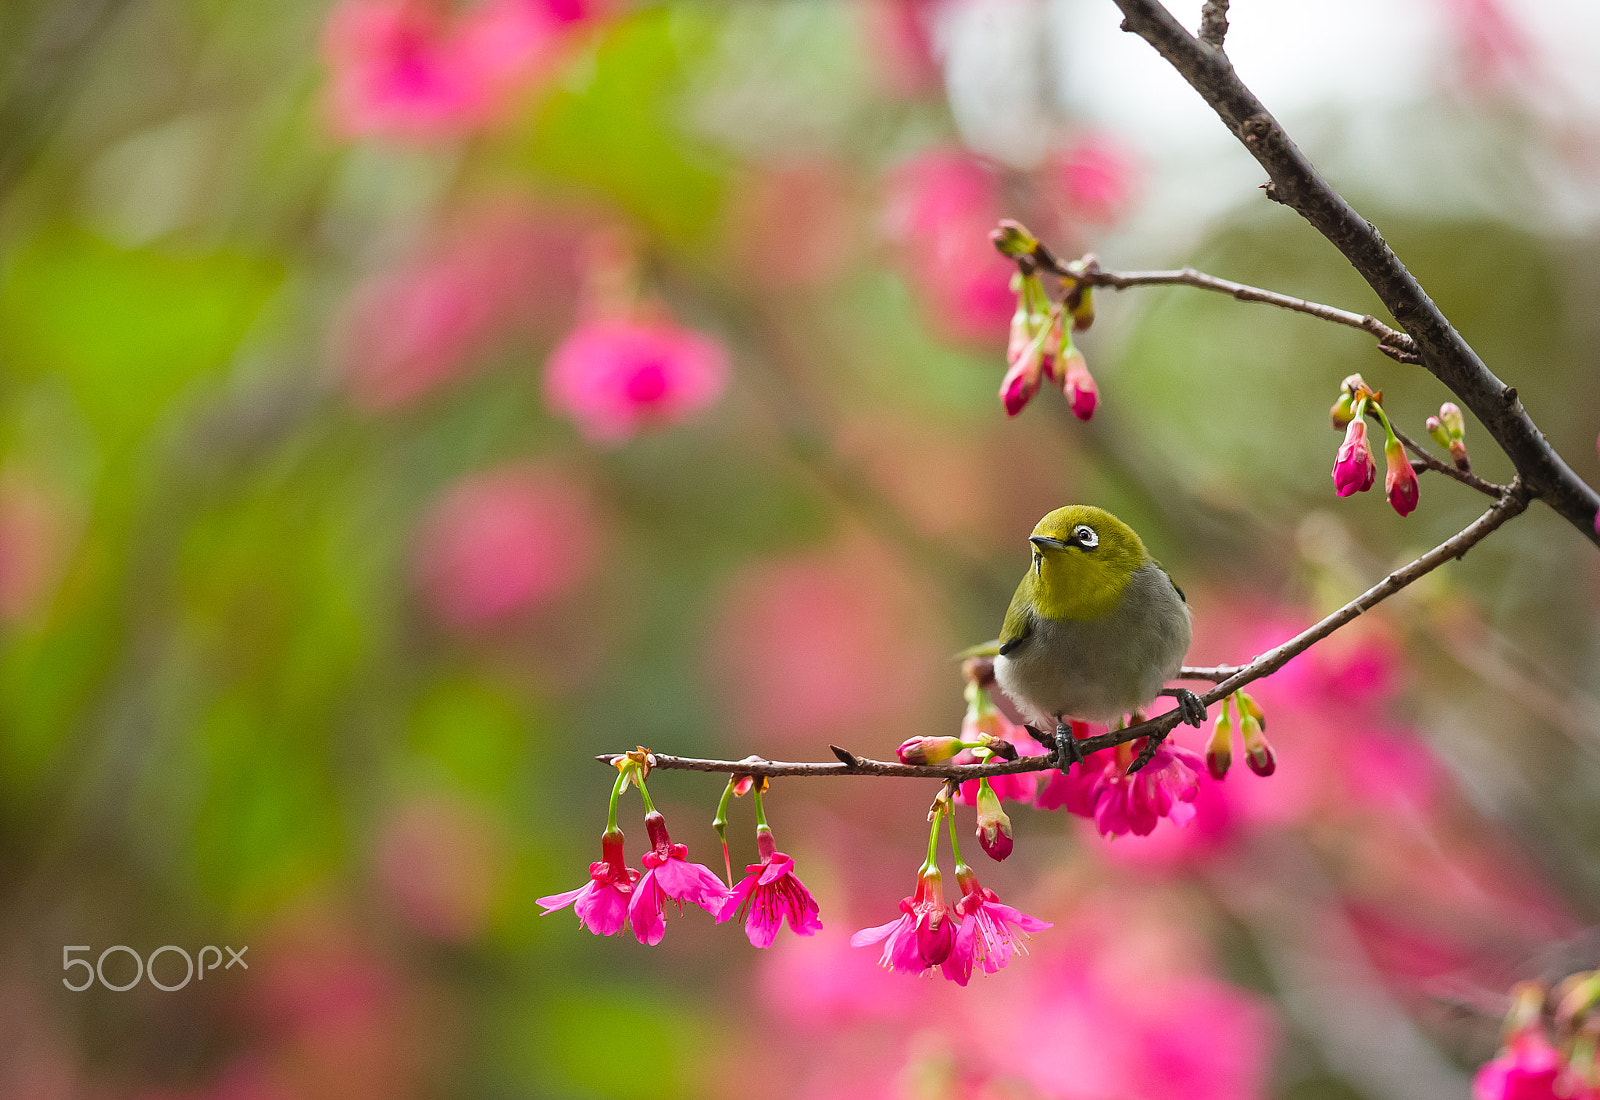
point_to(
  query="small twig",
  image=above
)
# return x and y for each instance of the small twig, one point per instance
(1448, 469)
(1214, 23)
(1391, 341)
(1512, 503)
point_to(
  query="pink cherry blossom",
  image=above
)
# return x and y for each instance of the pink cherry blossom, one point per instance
(922, 936)
(669, 876)
(1100, 788)
(985, 934)
(1525, 1069)
(503, 541)
(1354, 471)
(602, 904)
(615, 377)
(403, 69)
(1079, 385)
(769, 894)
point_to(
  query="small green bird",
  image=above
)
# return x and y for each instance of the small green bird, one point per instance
(1095, 630)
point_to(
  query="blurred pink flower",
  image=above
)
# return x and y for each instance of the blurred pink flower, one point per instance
(899, 38)
(602, 902)
(823, 645)
(403, 69)
(33, 538)
(439, 862)
(614, 377)
(502, 541)
(1100, 788)
(1017, 787)
(1525, 1069)
(922, 936)
(1096, 176)
(984, 936)
(793, 224)
(941, 207)
(493, 270)
(668, 875)
(822, 984)
(769, 894)
(1494, 49)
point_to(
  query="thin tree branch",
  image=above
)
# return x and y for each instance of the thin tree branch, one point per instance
(1513, 503)
(1297, 184)
(1432, 462)
(1395, 344)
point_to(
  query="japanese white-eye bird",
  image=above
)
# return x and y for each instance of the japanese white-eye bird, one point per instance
(1095, 630)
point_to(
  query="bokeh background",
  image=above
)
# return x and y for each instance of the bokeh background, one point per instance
(402, 402)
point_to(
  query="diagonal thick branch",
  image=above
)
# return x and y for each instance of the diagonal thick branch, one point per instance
(1297, 184)
(1512, 503)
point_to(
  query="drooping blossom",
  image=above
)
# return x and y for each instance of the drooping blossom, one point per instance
(602, 903)
(924, 933)
(769, 894)
(669, 876)
(503, 541)
(988, 932)
(404, 69)
(1400, 483)
(1354, 471)
(941, 206)
(1100, 788)
(614, 377)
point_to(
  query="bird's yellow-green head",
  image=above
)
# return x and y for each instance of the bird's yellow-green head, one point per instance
(1083, 558)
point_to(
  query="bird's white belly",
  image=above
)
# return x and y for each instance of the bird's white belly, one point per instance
(1102, 669)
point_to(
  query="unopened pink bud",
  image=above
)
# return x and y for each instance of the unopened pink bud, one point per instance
(1437, 431)
(1400, 485)
(1021, 383)
(994, 827)
(1078, 384)
(1012, 239)
(1354, 471)
(1257, 751)
(1450, 417)
(928, 750)
(1219, 750)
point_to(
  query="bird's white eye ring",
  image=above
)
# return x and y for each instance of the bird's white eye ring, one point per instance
(1085, 537)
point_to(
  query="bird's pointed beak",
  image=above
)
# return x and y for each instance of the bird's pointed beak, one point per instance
(1045, 542)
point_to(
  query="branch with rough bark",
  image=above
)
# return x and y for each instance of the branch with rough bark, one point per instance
(1227, 680)
(1296, 183)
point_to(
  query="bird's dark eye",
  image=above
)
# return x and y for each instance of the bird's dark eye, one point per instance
(1085, 537)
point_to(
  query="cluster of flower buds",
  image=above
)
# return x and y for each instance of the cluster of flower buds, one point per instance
(977, 931)
(1354, 471)
(1449, 430)
(1252, 731)
(1550, 1044)
(617, 895)
(986, 735)
(1040, 347)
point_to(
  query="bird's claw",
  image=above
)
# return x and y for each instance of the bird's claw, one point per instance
(1068, 751)
(1193, 711)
